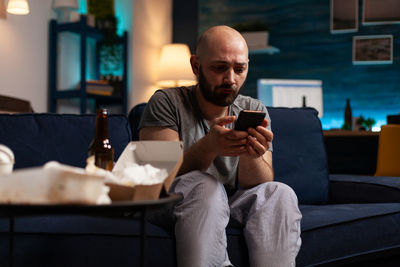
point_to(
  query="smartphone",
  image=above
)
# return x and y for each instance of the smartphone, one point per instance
(249, 119)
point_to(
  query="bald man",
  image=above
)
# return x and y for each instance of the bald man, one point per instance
(226, 174)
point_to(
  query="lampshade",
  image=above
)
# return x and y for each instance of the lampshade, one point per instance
(174, 68)
(73, 4)
(18, 7)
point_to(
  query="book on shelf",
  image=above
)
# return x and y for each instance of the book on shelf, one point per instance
(97, 87)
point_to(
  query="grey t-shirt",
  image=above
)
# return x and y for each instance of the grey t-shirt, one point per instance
(177, 108)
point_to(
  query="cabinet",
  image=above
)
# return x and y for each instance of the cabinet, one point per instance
(84, 31)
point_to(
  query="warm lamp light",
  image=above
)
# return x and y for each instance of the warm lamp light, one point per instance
(18, 7)
(174, 68)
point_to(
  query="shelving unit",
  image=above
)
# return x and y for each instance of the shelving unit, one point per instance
(81, 28)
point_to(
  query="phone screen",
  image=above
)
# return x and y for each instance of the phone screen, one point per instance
(249, 119)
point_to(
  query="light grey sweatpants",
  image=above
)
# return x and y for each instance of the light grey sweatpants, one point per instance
(268, 212)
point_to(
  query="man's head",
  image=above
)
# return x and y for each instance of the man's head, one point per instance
(220, 64)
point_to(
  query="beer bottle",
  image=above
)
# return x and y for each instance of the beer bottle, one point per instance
(100, 146)
(347, 115)
(304, 102)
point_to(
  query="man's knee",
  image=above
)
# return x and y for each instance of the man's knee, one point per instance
(284, 189)
(201, 188)
(279, 190)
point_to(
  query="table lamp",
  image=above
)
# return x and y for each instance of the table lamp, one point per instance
(64, 8)
(18, 7)
(174, 67)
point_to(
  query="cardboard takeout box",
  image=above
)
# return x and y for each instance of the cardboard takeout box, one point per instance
(160, 154)
(50, 186)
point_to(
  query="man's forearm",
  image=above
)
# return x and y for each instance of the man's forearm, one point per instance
(197, 157)
(254, 171)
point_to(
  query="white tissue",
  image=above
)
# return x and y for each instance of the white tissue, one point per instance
(6, 160)
(133, 174)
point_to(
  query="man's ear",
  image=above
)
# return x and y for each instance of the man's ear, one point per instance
(195, 63)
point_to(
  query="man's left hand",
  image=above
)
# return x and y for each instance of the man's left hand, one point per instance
(259, 140)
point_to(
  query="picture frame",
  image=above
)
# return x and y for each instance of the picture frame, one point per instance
(373, 49)
(344, 16)
(377, 12)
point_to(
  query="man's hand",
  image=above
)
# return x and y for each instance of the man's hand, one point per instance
(255, 166)
(259, 140)
(226, 142)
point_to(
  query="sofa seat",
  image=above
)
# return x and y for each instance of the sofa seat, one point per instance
(348, 230)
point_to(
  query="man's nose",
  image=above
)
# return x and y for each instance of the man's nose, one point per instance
(229, 76)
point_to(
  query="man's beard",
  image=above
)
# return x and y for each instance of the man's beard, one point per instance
(217, 96)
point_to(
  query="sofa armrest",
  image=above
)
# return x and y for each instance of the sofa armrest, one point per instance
(363, 189)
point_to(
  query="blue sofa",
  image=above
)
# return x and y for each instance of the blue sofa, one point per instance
(347, 220)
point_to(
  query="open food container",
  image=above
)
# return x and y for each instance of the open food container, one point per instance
(160, 154)
(50, 186)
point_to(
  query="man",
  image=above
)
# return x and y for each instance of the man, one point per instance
(217, 157)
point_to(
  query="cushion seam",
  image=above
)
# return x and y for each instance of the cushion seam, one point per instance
(353, 220)
(369, 183)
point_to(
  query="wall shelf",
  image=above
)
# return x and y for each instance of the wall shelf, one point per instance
(84, 31)
(264, 50)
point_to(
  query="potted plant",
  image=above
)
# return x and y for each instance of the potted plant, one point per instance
(111, 49)
(365, 124)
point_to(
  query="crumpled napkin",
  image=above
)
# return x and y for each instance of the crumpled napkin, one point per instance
(131, 174)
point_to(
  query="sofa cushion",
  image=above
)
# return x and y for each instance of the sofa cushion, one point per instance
(363, 189)
(299, 153)
(336, 233)
(38, 138)
(134, 119)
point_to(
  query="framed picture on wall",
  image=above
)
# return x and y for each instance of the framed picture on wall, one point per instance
(377, 12)
(373, 49)
(344, 16)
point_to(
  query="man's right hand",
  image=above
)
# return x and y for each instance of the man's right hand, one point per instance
(220, 141)
(226, 142)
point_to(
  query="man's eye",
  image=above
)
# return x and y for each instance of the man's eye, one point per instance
(219, 68)
(240, 70)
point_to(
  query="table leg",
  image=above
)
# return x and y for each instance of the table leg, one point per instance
(143, 237)
(11, 242)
